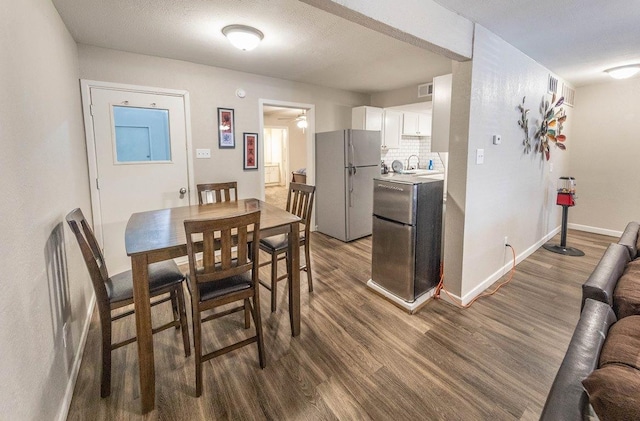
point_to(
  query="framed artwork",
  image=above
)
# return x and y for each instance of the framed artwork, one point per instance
(250, 151)
(226, 133)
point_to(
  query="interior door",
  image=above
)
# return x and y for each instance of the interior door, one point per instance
(141, 156)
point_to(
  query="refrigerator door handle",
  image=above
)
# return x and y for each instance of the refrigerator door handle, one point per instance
(352, 170)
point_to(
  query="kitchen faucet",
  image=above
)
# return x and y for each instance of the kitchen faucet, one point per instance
(408, 162)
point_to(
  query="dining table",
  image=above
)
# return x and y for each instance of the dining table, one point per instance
(158, 235)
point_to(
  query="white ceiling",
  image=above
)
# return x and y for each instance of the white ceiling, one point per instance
(574, 39)
(301, 43)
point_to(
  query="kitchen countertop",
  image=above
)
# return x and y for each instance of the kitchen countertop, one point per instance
(424, 176)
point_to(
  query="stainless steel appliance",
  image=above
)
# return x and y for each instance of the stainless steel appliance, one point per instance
(346, 162)
(407, 232)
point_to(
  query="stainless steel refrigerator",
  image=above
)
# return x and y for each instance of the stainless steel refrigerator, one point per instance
(346, 162)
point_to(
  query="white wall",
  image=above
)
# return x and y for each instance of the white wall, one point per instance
(605, 156)
(212, 87)
(44, 175)
(512, 194)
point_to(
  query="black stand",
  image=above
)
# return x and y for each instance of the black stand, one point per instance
(562, 248)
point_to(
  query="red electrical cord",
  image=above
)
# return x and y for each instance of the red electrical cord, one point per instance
(441, 287)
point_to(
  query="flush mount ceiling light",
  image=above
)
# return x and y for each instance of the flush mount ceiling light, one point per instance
(623, 72)
(243, 37)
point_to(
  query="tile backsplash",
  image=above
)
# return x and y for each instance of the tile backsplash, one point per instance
(413, 145)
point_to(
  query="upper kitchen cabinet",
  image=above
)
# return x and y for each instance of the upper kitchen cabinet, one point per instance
(392, 129)
(366, 118)
(441, 113)
(416, 124)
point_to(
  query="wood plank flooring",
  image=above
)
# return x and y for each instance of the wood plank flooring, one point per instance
(359, 356)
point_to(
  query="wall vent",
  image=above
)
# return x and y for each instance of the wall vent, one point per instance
(426, 89)
(552, 86)
(569, 95)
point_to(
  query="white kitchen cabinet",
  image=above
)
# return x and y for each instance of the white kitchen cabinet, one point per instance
(272, 174)
(416, 124)
(392, 129)
(366, 118)
(441, 113)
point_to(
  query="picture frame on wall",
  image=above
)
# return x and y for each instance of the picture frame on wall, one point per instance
(226, 131)
(250, 151)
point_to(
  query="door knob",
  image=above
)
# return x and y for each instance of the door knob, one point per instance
(182, 191)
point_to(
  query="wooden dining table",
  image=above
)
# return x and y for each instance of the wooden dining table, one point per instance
(159, 235)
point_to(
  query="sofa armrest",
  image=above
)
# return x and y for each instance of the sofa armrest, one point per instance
(602, 281)
(629, 239)
(567, 399)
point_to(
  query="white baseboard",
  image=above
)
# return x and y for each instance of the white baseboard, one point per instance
(75, 369)
(595, 230)
(399, 302)
(466, 299)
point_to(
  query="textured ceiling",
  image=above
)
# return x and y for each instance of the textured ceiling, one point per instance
(575, 39)
(301, 43)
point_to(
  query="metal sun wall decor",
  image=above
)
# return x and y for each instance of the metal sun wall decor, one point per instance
(549, 129)
(524, 125)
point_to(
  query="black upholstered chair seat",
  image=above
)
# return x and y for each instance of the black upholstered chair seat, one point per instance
(161, 275)
(211, 290)
(278, 243)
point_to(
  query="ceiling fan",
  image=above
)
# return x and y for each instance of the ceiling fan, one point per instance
(301, 120)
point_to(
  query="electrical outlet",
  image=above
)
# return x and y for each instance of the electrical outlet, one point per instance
(479, 156)
(506, 241)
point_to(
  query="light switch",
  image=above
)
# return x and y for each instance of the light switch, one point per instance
(479, 156)
(497, 139)
(203, 153)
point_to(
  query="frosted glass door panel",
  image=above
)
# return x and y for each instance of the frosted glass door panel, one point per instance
(142, 134)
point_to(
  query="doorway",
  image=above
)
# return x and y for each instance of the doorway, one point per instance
(287, 147)
(138, 149)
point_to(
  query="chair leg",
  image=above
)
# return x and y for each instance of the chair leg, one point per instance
(255, 311)
(105, 383)
(307, 264)
(197, 345)
(175, 307)
(183, 320)
(274, 281)
(247, 314)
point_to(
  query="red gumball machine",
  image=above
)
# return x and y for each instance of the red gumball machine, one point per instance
(566, 198)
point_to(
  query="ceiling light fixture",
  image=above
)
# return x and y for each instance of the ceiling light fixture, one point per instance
(243, 37)
(623, 72)
(302, 124)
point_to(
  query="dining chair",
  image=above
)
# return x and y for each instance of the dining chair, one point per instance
(217, 192)
(223, 273)
(116, 291)
(299, 202)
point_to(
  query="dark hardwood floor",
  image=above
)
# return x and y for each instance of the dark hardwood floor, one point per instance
(360, 357)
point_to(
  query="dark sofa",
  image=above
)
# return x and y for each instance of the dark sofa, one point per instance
(599, 377)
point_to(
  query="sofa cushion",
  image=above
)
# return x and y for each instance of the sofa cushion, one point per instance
(622, 345)
(630, 239)
(626, 296)
(613, 392)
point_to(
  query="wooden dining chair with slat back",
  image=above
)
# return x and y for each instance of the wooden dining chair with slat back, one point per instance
(223, 274)
(300, 203)
(217, 192)
(114, 292)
